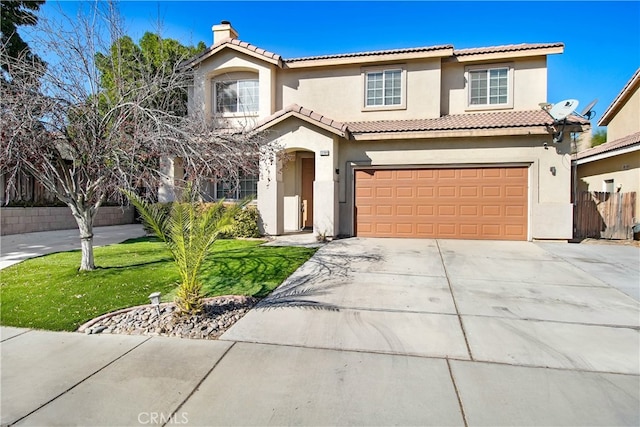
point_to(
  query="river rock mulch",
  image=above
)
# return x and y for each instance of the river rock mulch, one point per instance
(218, 315)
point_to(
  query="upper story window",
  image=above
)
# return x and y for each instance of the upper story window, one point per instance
(384, 88)
(237, 96)
(489, 86)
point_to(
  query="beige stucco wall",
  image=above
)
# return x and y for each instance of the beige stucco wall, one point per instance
(623, 169)
(550, 208)
(227, 64)
(279, 180)
(338, 92)
(627, 119)
(529, 83)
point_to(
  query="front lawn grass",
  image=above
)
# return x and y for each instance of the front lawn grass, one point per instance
(50, 293)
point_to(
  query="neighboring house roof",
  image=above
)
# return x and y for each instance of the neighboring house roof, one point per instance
(619, 100)
(306, 115)
(608, 149)
(452, 123)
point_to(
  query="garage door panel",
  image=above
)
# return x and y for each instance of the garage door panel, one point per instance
(425, 210)
(405, 229)
(405, 210)
(469, 211)
(494, 211)
(467, 191)
(492, 173)
(491, 191)
(405, 192)
(447, 191)
(473, 203)
(447, 210)
(469, 174)
(384, 210)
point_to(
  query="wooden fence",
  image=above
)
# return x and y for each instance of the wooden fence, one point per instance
(26, 190)
(604, 215)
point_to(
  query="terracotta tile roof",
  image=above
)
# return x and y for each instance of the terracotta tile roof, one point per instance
(489, 120)
(372, 53)
(618, 101)
(305, 114)
(611, 146)
(232, 42)
(273, 57)
(506, 48)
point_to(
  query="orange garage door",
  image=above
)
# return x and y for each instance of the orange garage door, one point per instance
(464, 203)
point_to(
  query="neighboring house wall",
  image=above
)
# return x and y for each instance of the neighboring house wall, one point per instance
(623, 169)
(618, 160)
(627, 120)
(28, 220)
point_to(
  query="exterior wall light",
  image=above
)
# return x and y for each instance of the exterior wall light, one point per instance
(552, 169)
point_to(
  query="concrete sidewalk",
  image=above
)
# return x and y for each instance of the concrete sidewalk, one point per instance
(368, 332)
(18, 247)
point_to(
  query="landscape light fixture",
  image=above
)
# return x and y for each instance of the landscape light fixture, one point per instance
(155, 300)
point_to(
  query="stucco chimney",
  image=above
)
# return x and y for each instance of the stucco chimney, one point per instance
(222, 31)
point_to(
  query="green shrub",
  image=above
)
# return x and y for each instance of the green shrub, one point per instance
(246, 223)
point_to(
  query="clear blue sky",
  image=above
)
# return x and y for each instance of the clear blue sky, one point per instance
(602, 39)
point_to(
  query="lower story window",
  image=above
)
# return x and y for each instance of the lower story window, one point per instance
(246, 186)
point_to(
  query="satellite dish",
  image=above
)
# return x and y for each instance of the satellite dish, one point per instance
(587, 113)
(563, 109)
(559, 113)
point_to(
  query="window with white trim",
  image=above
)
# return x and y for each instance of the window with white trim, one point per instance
(383, 88)
(489, 86)
(245, 187)
(237, 96)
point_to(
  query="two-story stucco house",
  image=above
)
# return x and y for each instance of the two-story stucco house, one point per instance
(430, 142)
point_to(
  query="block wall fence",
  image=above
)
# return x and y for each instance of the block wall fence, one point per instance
(28, 220)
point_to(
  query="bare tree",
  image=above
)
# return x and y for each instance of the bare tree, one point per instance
(85, 143)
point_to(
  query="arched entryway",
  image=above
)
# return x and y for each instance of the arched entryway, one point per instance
(298, 176)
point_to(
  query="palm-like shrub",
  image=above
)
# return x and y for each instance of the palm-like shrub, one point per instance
(189, 230)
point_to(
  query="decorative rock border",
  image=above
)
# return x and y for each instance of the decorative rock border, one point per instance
(218, 314)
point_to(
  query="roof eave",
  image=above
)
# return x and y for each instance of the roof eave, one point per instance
(450, 133)
(368, 59)
(281, 118)
(620, 99)
(607, 154)
(491, 56)
(215, 49)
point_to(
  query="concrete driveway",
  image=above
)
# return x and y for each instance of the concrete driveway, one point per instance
(369, 332)
(509, 332)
